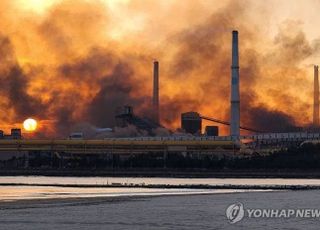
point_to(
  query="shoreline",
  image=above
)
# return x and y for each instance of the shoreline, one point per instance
(170, 186)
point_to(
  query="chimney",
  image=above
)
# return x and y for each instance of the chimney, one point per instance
(316, 97)
(155, 99)
(235, 95)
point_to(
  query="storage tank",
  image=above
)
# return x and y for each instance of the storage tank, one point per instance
(191, 122)
(212, 131)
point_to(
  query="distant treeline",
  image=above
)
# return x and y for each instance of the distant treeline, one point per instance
(303, 157)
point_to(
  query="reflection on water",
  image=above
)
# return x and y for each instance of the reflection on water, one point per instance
(11, 193)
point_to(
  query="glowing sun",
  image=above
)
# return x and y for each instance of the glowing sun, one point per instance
(30, 124)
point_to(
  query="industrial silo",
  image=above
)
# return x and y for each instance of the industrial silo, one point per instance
(191, 122)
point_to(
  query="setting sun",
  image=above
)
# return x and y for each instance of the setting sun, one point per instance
(30, 124)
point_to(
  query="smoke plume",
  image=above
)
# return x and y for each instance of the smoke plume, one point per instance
(76, 61)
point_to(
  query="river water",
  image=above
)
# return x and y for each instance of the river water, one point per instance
(54, 207)
(32, 190)
(12, 193)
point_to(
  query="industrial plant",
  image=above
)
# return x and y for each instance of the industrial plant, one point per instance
(151, 145)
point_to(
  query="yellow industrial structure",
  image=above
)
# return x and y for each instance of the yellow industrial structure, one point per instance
(119, 146)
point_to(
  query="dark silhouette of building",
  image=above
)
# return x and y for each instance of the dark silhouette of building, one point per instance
(191, 122)
(212, 131)
(126, 117)
(15, 134)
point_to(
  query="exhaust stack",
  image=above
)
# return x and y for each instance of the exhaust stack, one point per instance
(155, 99)
(316, 97)
(235, 95)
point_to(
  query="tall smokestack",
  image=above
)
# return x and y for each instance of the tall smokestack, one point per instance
(155, 99)
(316, 97)
(235, 95)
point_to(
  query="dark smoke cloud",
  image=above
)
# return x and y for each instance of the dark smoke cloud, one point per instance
(23, 104)
(115, 85)
(15, 84)
(265, 120)
(84, 74)
(116, 91)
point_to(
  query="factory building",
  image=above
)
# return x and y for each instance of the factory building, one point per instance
(15, 134)
(212, 131)
(126, 117)
(191, 122)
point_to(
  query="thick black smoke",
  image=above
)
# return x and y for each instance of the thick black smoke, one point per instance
(265, 120)
(116, 90)
(89, 75)
(14, 85)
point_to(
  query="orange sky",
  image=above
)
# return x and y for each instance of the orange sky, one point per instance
(72, 61)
